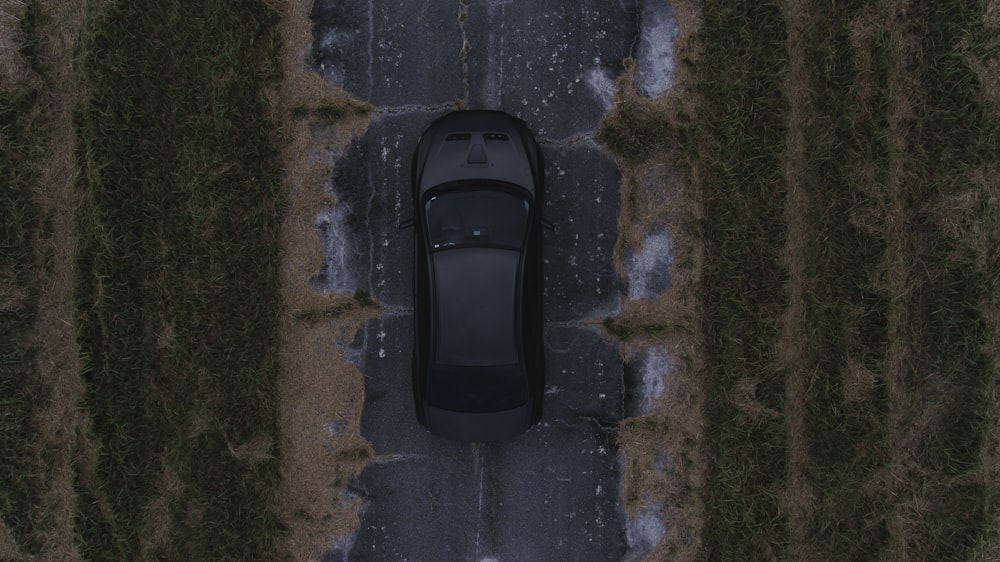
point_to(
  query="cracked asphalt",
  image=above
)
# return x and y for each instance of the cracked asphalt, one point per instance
(553, 492)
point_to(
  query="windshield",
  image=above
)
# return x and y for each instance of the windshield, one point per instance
(481, 217)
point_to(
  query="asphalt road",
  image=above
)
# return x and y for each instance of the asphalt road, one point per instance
(553, 493)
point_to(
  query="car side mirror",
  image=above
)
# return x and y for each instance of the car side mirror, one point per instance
(404, 224)
(547, 225)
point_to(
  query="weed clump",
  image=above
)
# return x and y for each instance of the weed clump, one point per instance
(625, 331)
(634, 130)
(364, 299)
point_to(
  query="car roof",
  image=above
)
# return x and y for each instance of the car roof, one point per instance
(475, 296)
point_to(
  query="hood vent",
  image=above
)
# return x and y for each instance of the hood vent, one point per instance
(477, 155)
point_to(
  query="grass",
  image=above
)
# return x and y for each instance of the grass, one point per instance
(847, 314)
(859, 319)
(947, 313)
(897, 341)
(364, 299)
(625, 331)
(737, 145)
(30, 40)
(635, 130)
(177, 281)
(361, 299)
(23, 467)
(329, 112)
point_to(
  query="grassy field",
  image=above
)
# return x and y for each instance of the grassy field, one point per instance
(165, 123)
(844, 158)
(177, 281)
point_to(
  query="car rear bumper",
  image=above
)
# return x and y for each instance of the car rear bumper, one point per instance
(487, 426)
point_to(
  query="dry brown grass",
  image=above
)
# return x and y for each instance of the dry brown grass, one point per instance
(663, 455)
(13, 71)
(157, 513)
(8, 547)
(799, 497)
(55, 334)
(321, 394)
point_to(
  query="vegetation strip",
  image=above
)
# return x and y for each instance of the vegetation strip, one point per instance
(942, 367)
(736, 146)
(21, 392)
(876, 385)
(843, 341)
(177, 289)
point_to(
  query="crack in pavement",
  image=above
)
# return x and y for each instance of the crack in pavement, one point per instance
(411, 108)
(463, 54)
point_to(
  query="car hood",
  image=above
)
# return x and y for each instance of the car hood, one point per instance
(480, 146)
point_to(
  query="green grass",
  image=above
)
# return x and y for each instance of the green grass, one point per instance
(364, 299)
(846, 316)
(947, 312)
(22, 264)
(22, 470)
(852, 314)
(177, 280)
(737, 145)
(29, 39)
(624, 330)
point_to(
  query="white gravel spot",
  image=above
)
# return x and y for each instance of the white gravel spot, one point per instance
(337, 249)
(602, 86)
(649, 268)
(654, 70)
(655, 366)
(644, 531)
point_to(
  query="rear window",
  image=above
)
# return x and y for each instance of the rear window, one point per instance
(481, 217)
(490, 389)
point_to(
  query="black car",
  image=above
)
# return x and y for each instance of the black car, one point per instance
(478, 363)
